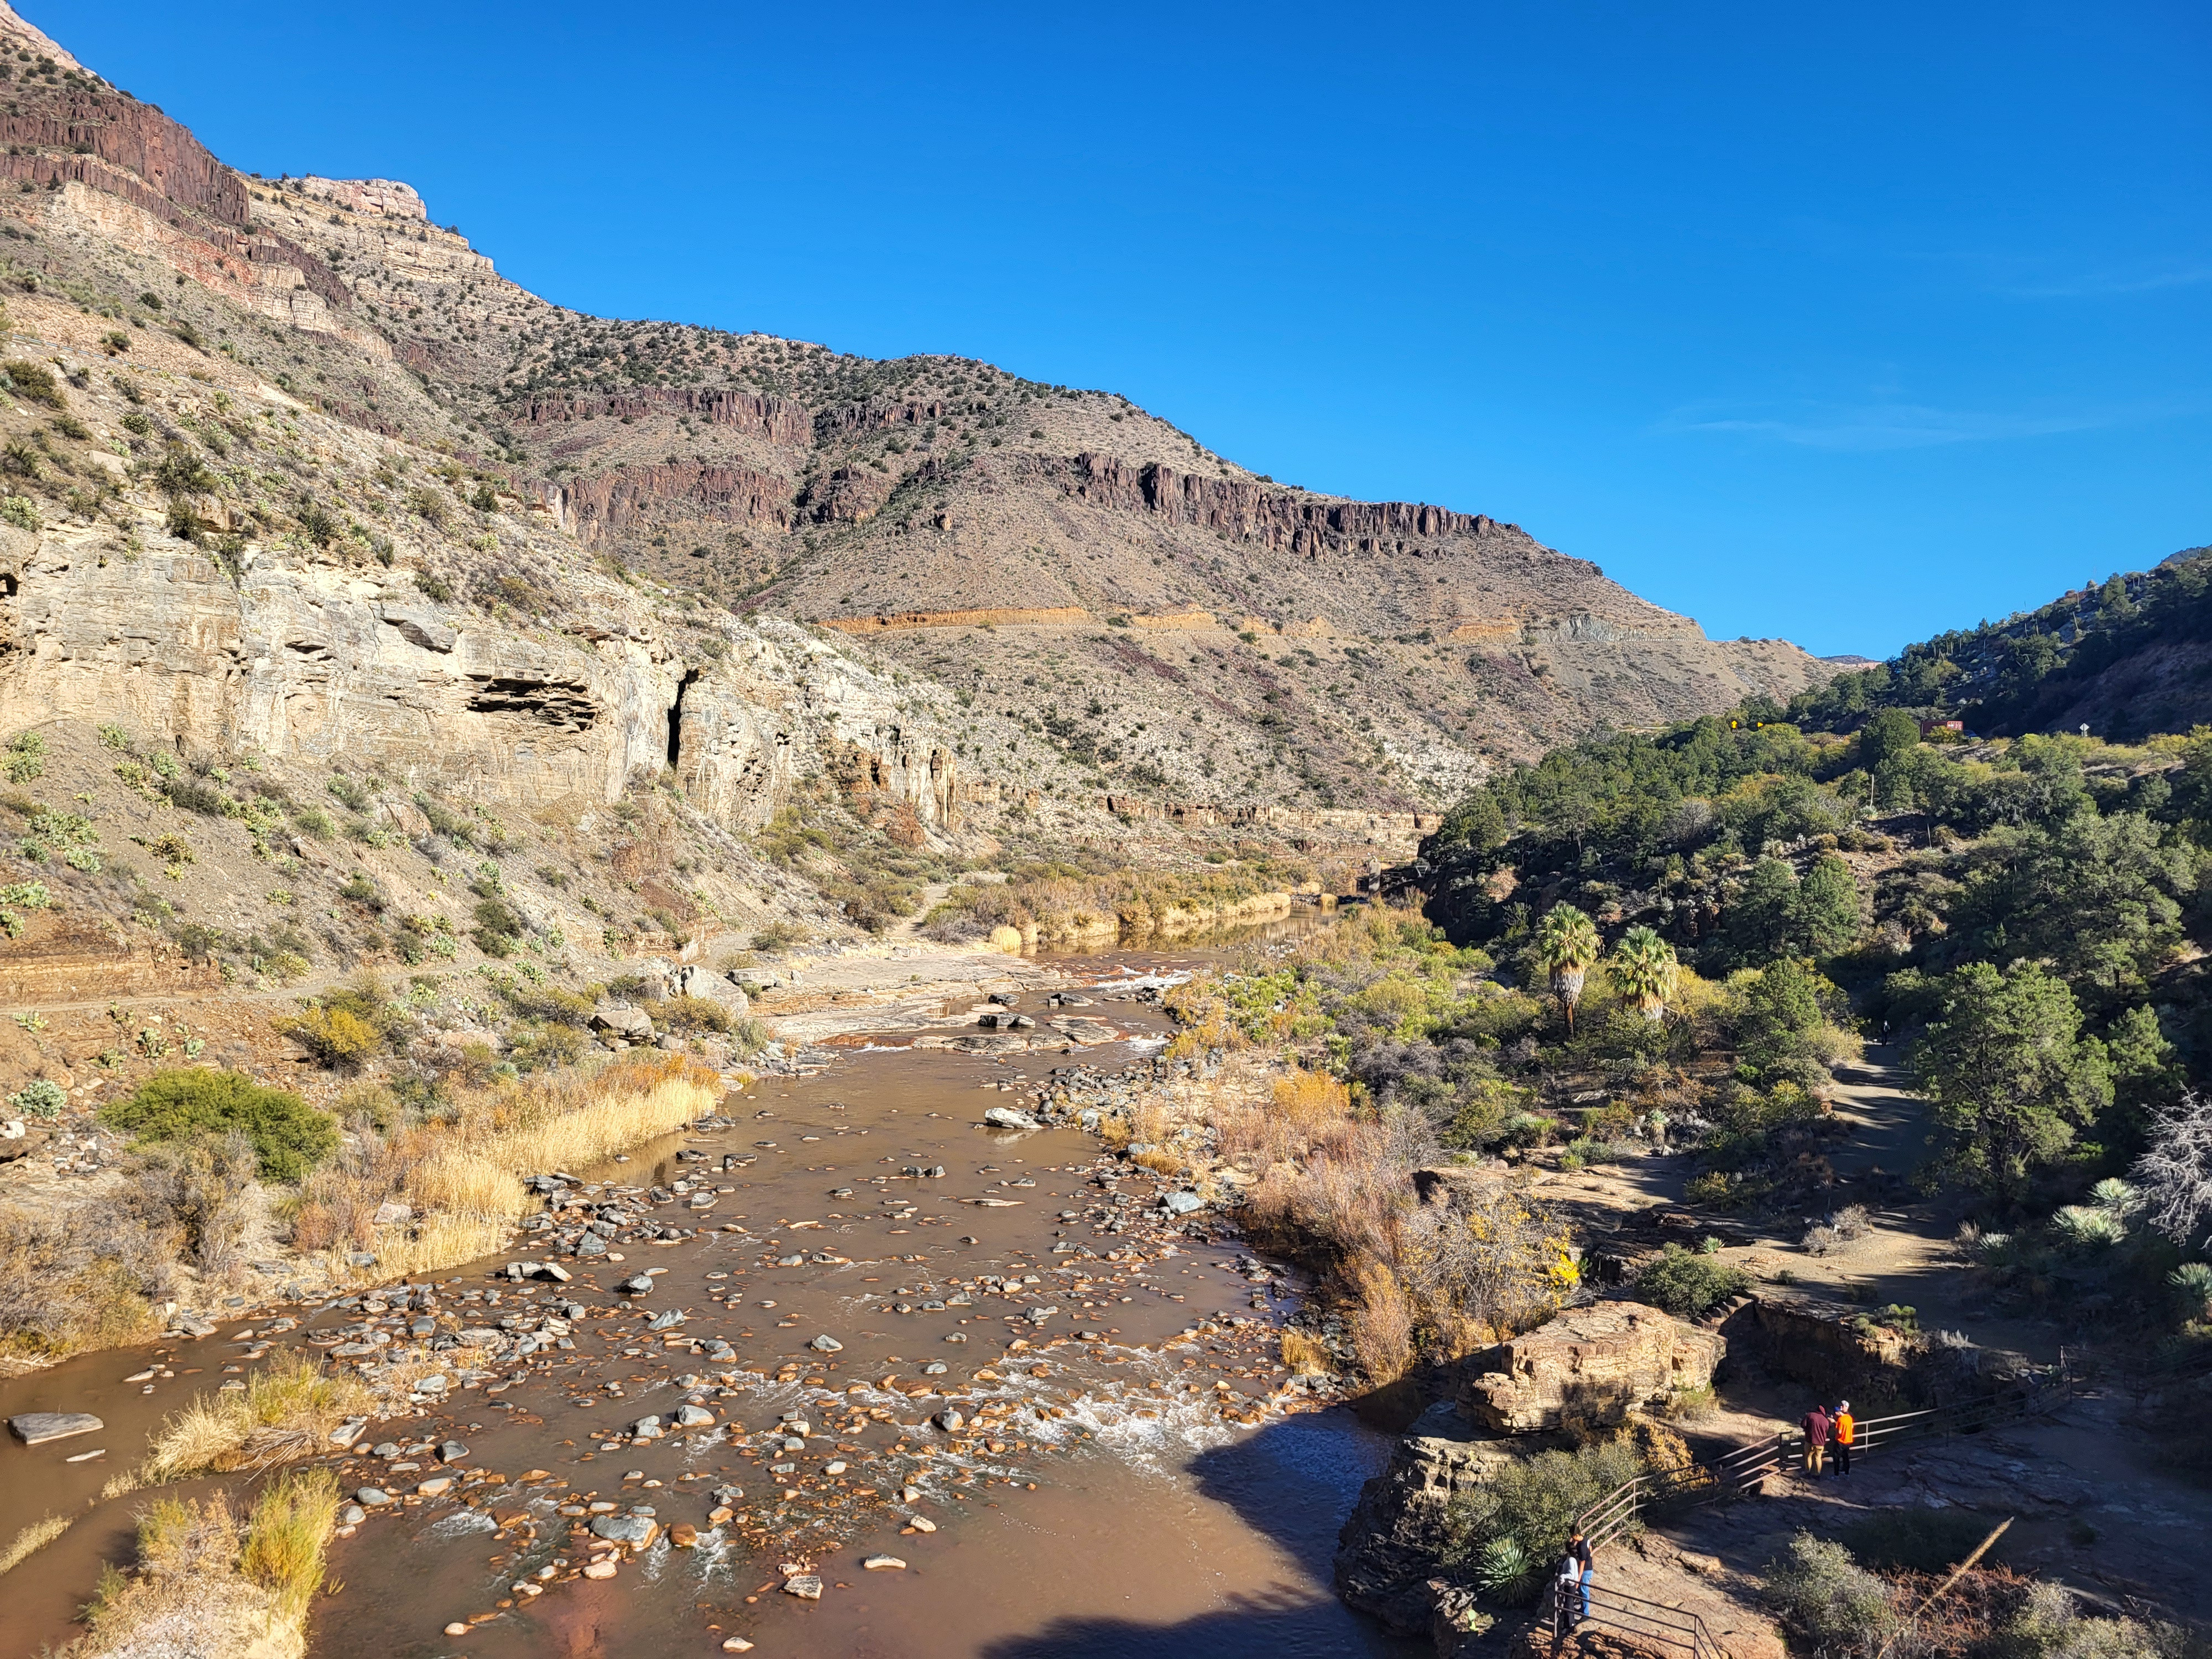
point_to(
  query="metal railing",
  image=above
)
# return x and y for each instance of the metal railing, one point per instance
(1740, 1473)
(1631, 1615)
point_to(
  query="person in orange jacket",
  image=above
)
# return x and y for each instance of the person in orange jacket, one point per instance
(1842, 1429)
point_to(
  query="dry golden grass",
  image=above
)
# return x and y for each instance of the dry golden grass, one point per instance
(209, 1586)
(1158, 1162)
(286, 1410)
(33, 1538)
(1304, 1353)
(285, 1537)
(464, 1180)
(1381, 1322)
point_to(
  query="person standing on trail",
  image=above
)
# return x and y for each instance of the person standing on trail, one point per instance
(1584, 1565)
(1816, 1439)
(1843, 1428)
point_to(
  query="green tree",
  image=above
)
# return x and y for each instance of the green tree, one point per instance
(1566, 945)
(1645, 965)
(2010, 1075)
(1889, 734)
(1824, 913)
(1762, 914)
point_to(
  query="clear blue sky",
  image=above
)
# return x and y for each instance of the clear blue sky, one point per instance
(1841, 324)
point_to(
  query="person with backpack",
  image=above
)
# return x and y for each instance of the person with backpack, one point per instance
(1842, 1429)
(1816, 1439)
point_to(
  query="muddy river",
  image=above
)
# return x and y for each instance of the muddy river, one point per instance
(848, 1322)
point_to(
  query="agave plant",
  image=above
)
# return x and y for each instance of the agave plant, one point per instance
(1505, 1572)
(1566, 945)
(1645, 964)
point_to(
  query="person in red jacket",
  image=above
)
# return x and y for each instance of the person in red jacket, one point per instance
(1816, 1439)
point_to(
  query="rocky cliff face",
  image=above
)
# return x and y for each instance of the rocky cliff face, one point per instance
(1183, 642)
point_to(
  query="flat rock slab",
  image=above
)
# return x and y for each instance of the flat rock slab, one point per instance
(36, 1428)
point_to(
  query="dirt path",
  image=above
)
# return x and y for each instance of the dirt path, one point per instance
(1890, 1125)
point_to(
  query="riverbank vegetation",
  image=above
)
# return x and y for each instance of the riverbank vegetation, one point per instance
(215, 1584)
(392, 1182)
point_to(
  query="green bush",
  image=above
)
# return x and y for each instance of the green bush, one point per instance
(1686, 1284)
(288, 1136)
(695, 1014)
(1508, 1531)
(26, 757)
(1827, 1598)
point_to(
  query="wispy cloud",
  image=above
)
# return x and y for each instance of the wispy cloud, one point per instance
(1880, 426)
(2101, 285)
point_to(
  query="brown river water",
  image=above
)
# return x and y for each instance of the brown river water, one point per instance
(1106, 1494)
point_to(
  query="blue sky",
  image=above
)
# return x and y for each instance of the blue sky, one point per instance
(1843, 324)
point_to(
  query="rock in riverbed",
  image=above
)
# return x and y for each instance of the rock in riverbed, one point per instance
(882, 1564)
(36, 1428)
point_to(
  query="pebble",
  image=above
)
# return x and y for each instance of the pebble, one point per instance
(602, 1568)
(457, 1628)
(921, 1522)
(736, 1645)
(805, 1586)
(882, 1564)
(372, 1496)
(827, 1344)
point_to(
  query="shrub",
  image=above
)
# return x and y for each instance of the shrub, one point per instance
(1532, 1503)
(288, 1137)
(40, 1098)
(695, 1014)
(336, 1036)
(33, 383)
(1826, 1596)
(192, 1189)
(1687, 1283)
(1846, 1226)
(499, 926)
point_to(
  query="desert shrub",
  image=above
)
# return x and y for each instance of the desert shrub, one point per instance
(1827, 1598)
(1846, 1226)
(336, 1036)
(33, 383)
(74, 1279)
(288, 1137)
(286, 1535)
(194, 1189)
(694, 1014)
(1531, 1504)
(498, 927)
(1688, 1283)
(40, 1098)
(547, 1048)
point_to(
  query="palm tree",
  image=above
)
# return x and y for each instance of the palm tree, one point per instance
(1567, 944)
(1646, 966)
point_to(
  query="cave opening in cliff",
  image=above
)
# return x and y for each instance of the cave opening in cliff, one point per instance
(676, 718)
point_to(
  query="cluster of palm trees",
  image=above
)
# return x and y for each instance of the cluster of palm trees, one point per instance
(1643, 964)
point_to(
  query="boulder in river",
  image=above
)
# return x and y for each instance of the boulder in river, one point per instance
(646, 1428)
(694, 1416)
(668, 1320)
(804, 1585)
(826, 1345)
(636, 1529)
(1181, 1203)
(635, 1285)
(1006, 1117)
(951, 1420)
(36, 1428)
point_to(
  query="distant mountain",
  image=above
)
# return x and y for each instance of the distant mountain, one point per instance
(1174, 627)
(2125, 657)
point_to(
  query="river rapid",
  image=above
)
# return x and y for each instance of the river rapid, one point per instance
(1061, 1408)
